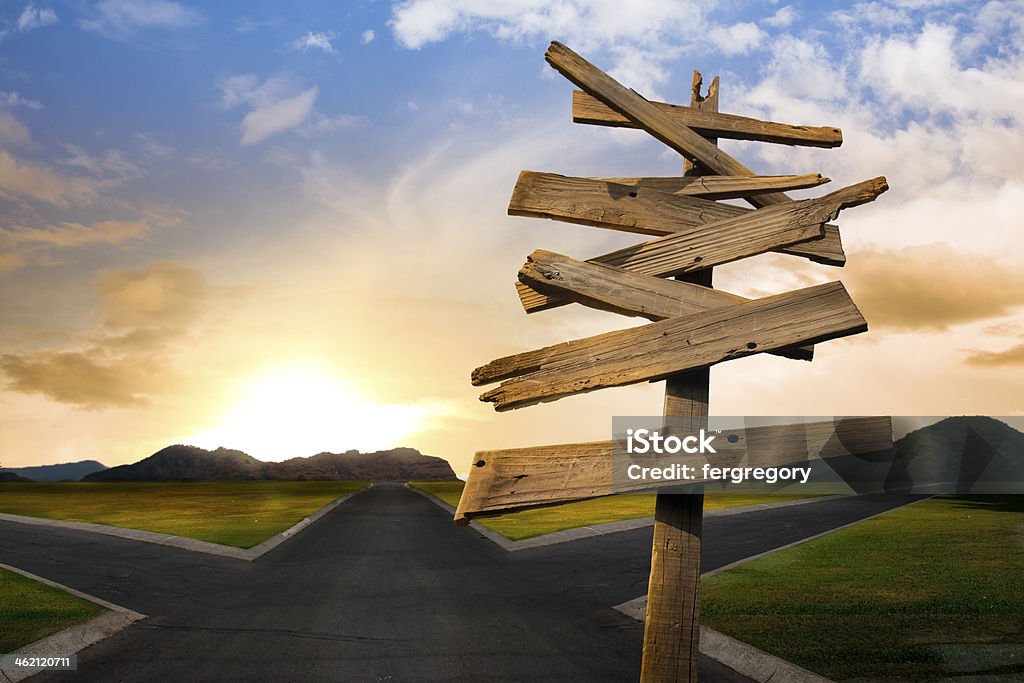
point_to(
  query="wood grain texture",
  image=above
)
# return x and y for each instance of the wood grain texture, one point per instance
(660, 349)
(672, 617)
(503, 481)
(645, 115)
(722, 187)
(639, 209)
(617, 290)
(590, 110)
(725, 240)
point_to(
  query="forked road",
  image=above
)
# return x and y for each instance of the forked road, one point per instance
(384, 588)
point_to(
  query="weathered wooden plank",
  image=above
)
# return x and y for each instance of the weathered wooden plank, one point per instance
(608, 288)
(745, 234)
(723, 187)
(590, 110)
(672, 617)
(644, 210)
(645, 115)
(615, 206)
(510, 480)
(657, 350)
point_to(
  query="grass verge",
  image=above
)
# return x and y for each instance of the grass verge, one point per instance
(530, 523)
(235, 513)
(32, 610)
(927, 591)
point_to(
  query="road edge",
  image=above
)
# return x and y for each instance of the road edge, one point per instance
(73, 639)
(181, 542)
(576, 533)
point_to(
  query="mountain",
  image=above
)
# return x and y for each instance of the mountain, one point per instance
(971, 454)
(191, 463)
(66, 471)
(8, 476)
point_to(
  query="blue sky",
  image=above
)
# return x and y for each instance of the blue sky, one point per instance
(205, 209)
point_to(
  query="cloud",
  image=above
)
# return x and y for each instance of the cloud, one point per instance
(274, 105)
(34, 181)
(13, 132)
(127, 365)
(79, 379)
(111, 166)
(640, 37)
(368, 36)
(738, 39)
(9, 99)
(161, 295)
(931, 287)
(69, 234)
(1010, 357)
(923, 72)
(121, 18)
(315, 41)
(33, 17)
(784, 17)
(280, 116)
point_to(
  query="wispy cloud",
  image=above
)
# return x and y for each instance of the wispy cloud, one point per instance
(277, 105)
(315, 41)
(368, 36)
(10, 99)
(33, 17)
(122, 18)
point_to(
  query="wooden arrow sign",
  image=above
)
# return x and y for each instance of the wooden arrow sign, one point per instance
(644, 210)
(657, 350)
(721, 186)
(725, 240)
(520, 478)
(609, 288)
(588, 109)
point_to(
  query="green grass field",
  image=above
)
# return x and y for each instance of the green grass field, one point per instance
(914, 594)
(33, 610)
(235, 513)
(530, 523)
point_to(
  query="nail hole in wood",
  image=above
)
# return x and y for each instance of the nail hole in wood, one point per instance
(479, 463)
(751, 345)
(632, 194)
(733, 438)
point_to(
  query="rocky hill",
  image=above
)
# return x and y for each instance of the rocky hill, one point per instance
(190, 463)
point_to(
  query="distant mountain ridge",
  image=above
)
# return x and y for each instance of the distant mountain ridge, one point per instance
(191, 463)
(65, 471)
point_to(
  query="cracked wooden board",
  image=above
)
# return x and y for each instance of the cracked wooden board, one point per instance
(660, 349)
(590, 110)
(723, 187)
(616, 290)
(727, 239)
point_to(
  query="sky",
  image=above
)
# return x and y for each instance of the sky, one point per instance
(282, 227)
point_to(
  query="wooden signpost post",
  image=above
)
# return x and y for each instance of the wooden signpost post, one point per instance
(693, 325)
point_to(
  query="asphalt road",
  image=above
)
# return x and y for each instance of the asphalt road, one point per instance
(385, 588)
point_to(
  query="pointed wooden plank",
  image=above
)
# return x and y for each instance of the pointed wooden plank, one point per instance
(721, 186)
(590, 110)
(747, 234)
(660, 349)
(645, 115)
(615, 206)
(613, 289)
(603, 204)
(503, 481)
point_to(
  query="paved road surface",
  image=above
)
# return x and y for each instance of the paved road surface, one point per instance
(385, 588)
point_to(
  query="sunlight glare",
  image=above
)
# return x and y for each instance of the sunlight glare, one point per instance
(305, 411)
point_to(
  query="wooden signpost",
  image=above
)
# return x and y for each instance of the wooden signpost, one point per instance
(693, 326)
